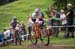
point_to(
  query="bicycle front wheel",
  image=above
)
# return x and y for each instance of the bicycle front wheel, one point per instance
(45, 37)
(33, 38)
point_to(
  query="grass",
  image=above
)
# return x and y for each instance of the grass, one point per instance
(61, 40)
(22, 9)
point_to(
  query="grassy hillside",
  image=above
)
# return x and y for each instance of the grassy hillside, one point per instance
(22, 9)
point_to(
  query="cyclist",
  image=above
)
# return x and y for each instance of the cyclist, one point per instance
(13, 24)
(17, 34)
(40, 21)
(24, 32)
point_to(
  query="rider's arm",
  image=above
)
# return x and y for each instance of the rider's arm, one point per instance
(67, 13)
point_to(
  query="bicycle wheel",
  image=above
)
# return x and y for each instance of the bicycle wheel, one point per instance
(46, 36)
(46, 41)
(19, 41)
(33, 38)
(18, 38)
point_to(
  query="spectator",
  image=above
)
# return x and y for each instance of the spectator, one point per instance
(1, 39)
(63, 20)
(54, 22)
(70, 16)
(7, 36)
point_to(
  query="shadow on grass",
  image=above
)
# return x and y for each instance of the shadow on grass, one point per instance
(3, 2)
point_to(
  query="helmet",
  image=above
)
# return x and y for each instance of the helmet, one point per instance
(14, 18)
(37, 10)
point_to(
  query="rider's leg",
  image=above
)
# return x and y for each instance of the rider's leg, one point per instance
(29, 29)
(14, 36)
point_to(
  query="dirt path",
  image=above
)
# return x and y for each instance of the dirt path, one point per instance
(41, 46)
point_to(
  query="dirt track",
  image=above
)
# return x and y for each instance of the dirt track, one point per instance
(41, 46)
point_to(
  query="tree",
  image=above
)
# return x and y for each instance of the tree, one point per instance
(62, 3)
(5, 1)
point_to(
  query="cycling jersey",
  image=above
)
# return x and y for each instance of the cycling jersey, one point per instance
(13, 24)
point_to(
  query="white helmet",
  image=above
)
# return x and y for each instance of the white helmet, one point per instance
(14, 17)
(33, 16)
(37, 10)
